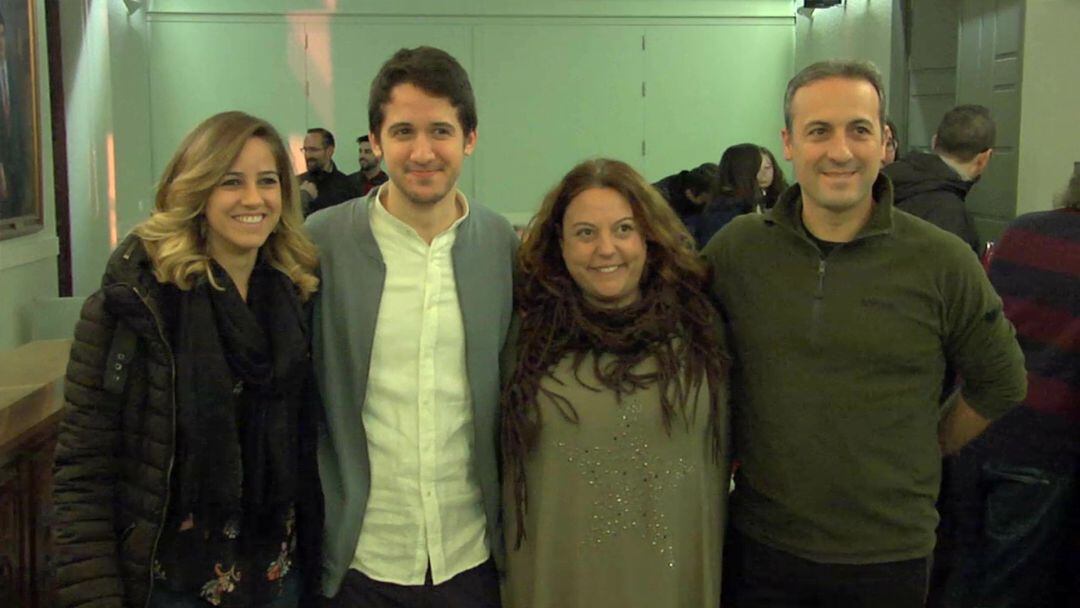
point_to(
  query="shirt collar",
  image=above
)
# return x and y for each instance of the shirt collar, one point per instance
(379, 213)
(788, 209)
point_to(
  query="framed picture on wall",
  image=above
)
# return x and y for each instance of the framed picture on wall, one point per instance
(21, 207)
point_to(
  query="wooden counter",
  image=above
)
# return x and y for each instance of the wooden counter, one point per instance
(31, 398)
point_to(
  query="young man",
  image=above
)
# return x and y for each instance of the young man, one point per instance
(840, 349)
(415, 302)
(934, 186)
(370, 174)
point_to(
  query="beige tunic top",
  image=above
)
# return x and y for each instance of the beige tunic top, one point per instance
(620, 513)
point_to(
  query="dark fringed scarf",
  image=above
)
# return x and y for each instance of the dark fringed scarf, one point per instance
(674, 326)
(238, 369)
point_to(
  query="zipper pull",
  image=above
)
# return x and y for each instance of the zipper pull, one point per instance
(821, 280)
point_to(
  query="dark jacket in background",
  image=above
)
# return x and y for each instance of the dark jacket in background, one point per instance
(116, 443)
(927, 188)
(717, 214)
(334, 187)
(363, 185)
(673, 188)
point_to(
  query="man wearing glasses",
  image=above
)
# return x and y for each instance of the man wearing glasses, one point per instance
(322, 185)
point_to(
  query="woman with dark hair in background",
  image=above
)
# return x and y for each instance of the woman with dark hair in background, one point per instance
(892, 143)
(614, 409)
(185, 465)
(770, 179)
(737, 191)
(689, 191)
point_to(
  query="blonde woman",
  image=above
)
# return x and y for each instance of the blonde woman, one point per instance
(185, 467)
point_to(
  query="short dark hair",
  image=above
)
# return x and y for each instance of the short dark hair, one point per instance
(836, 68)
(363, 139)
(327, 136)
(965, 131)
(434, 71)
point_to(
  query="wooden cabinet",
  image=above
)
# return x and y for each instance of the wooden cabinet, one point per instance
(25, 490)
(30, 403)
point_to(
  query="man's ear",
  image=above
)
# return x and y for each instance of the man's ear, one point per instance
(982, 159)
(375, 147)
(470, 142)
(785, 137)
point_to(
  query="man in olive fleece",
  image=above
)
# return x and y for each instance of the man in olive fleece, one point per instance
(843, 314)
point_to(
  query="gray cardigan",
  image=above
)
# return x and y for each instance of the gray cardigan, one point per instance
(346, 310)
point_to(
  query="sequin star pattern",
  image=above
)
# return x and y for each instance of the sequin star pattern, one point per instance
(630, 481)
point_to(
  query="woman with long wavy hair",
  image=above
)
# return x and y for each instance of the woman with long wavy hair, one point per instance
(614, 406)
(185, 466)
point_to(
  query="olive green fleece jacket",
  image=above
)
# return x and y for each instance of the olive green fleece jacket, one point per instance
(839, 362)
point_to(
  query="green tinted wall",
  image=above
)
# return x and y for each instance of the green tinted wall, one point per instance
(664, 86)
(556, 82)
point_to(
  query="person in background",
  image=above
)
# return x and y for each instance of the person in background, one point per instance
(689, 191)
(892, 143)
(614, 405)
(186, 469)
(738, 190)
(934, 186)
(370, 173)
(1018, 546)
(323, 185)
(770, 179)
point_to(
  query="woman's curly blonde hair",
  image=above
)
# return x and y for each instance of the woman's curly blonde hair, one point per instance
(175, 234)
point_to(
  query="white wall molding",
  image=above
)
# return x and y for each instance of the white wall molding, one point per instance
(494, 8)
(28, 249)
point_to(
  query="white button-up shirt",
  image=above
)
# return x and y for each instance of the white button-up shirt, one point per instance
(425, 503)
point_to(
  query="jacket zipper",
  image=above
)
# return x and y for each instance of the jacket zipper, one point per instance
(172, 454)
(818, 304)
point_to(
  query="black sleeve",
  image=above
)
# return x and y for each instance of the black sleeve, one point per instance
(953, 217)
(86, 542)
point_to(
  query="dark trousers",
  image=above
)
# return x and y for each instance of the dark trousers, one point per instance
(165, 598)
(475, 588)
(1015, 530)
(758, 576)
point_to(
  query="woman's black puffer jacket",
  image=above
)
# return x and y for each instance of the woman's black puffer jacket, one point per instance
(116, 443)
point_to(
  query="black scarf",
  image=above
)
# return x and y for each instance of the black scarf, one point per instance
(238, 372)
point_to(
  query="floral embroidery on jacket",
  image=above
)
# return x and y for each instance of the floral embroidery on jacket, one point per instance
(159, 571)
(224, 583)
(232, 529)
(280, 566)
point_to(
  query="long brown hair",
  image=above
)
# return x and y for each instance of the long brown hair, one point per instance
(674, 324)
